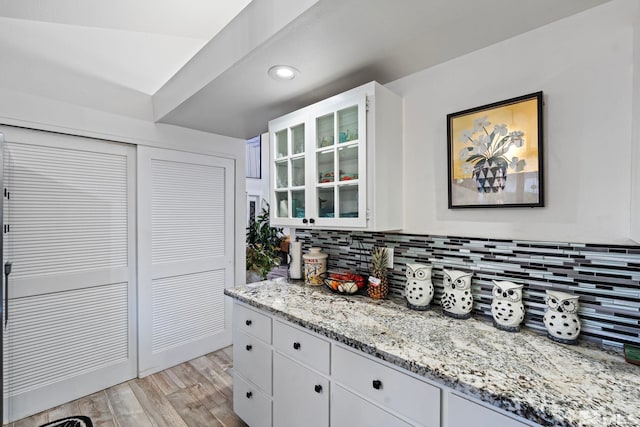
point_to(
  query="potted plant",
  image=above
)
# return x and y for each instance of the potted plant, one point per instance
(263, 247)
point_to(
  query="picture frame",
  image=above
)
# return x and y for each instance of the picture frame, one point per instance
(495, 154)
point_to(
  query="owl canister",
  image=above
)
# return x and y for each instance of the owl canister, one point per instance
(457, 300)
(507, 308)
(315, 264)
(419, 290)
(561, 318)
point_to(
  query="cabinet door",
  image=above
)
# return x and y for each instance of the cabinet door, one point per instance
(288, 172)
(349, 410)
(337, 155)
(300, 396)
(462, 413)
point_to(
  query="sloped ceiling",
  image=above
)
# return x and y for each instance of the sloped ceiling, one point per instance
(203, 64)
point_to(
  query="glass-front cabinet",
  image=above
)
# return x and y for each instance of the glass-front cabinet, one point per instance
(319, 163)
(289, 177)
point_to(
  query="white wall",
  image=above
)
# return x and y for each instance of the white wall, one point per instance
(584, 66)
(635, 155)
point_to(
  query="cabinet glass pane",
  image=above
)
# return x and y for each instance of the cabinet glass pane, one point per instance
(282, 204)
(326, 203)
(282, 174)
(348, 124)
(297, 139)
(326, 167)
(282, 143)
(348, 163)
(324, 131)
(348, 199)
(297, 172)
(297, 204)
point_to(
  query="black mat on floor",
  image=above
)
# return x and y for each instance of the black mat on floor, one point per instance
(77, 421)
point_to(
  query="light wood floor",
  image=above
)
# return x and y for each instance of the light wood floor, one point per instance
(195, 394)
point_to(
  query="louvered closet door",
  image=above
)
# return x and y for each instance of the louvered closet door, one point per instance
(71, 211)
(185, 243)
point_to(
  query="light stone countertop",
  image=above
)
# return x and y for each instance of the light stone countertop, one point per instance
(524, 373)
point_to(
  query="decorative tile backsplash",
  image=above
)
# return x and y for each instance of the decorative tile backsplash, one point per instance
(606, 277)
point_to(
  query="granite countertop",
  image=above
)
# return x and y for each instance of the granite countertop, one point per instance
(524, 373)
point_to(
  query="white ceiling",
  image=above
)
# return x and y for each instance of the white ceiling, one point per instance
(203, 64)
(135, 44)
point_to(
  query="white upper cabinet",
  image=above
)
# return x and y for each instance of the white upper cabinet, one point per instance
(338, 163)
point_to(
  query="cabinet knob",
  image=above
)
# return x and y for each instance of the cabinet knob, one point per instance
(377, 384)
(305, 220)
(318, 388)
(312, 221)
(296, 346)
(249, 395)
(248, 322)
(249, 347)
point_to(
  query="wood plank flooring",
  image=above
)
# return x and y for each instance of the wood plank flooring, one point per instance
(197, 393)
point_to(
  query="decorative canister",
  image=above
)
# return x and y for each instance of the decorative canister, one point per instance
(315, 263)
(561, 317)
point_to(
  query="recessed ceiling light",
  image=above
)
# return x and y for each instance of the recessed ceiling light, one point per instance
(282, 72)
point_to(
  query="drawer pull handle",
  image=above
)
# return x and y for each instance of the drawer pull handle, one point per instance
(377, 384)
(249, 347)
(318, 388)
(248, 322)
(296, 346)
(249, 395)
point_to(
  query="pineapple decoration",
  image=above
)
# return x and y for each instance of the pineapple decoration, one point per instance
(378, 286)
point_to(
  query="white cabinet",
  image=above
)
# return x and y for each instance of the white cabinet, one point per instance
(338, 163)
(300, 395)
(300, 383)
(286, 376)
(252, 363)
(462, 413)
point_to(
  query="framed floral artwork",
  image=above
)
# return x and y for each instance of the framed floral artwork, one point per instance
(495, 154)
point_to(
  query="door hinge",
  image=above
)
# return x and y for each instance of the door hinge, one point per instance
(366, 104)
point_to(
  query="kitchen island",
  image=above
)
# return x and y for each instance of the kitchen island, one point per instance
(522, 373)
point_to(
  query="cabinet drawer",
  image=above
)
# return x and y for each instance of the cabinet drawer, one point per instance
(349, 410)
(462, 412)
(302, 346)
(387, 387)
(252, 323)
(252, 359)
(250, 404)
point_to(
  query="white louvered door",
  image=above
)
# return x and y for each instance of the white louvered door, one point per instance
(71, 212)
(185, 251)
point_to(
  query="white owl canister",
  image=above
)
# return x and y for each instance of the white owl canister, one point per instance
(315, 264)
(507, 308)
(561, 319)
(419, 289)
(457, 300)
